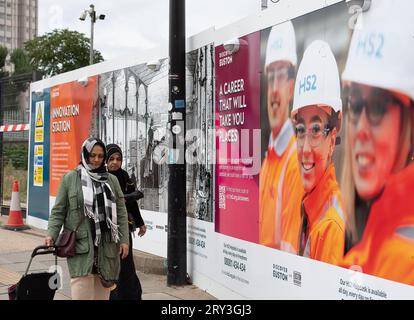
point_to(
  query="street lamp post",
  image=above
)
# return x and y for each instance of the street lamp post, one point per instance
(93, 20)
(92, 14)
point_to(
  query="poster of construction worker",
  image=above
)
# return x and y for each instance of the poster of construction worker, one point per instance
(237, 123)
(337, 139)
(279, 173)
(336, 119)
(71, 108)
(378, 166)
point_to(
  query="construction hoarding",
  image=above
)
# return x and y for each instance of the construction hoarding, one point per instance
(299, 150)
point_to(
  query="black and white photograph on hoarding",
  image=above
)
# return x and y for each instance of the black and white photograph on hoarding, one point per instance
(134, 115)
(200, 135)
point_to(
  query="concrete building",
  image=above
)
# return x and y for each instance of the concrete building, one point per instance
(18, 22)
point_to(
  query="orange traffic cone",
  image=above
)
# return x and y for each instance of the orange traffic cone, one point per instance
(15, 221)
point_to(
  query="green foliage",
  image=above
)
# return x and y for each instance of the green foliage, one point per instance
(60, 51)
(3, 55)
(20, 80)
(17, 154)
(12, 87)
(21, 61)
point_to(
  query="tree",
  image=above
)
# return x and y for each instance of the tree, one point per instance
(20, 80)
(21, 61)
(60, 51)
(3, 55)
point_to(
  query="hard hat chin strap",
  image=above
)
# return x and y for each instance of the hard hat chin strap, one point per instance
(338, 141)
(335, 121)
(405, 141)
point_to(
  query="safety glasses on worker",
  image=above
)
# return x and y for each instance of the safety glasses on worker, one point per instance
(375, 106)
(316, 133)
(281, 74)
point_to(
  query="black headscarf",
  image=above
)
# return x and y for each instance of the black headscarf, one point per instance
(110, 150)
(127, 187)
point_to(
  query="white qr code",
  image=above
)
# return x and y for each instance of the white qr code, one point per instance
(222, 197)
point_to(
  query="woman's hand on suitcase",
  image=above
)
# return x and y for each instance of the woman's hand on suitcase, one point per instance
(49, 241)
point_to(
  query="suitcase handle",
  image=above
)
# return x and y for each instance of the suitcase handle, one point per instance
(46, 250)
(39, 251)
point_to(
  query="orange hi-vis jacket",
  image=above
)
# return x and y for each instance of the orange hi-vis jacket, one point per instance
(326, 220)
(280, 189)
(386, 249)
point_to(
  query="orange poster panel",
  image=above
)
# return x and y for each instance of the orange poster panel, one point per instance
(70, 124)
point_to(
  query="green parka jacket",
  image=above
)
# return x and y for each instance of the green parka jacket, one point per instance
(68, 211)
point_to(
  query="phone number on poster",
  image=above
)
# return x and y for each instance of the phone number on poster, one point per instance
(235, 264)
(197, 242)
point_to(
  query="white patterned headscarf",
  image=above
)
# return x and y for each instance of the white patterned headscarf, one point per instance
(99, 200)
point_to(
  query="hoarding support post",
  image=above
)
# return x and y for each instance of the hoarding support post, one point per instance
(177, 246)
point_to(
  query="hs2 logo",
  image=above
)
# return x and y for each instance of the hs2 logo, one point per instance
(308, 84)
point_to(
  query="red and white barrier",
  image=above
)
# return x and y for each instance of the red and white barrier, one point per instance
(14, 127)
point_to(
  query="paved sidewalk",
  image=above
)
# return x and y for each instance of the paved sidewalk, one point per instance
(16, 247)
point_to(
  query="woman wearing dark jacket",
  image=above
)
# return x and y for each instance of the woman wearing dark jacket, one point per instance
(129, 287)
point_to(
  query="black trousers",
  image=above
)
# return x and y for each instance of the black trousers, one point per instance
(129, 287)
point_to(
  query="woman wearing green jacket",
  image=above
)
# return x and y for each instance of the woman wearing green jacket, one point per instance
(90, 197)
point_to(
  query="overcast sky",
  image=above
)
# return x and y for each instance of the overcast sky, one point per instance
(134, 25)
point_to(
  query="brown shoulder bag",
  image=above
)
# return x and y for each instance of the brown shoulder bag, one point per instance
(65, 243)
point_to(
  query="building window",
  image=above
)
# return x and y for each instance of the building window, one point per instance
(9, 17)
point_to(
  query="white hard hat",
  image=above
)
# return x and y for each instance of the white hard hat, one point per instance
(317, 81)
(281, 44)
(382, 47)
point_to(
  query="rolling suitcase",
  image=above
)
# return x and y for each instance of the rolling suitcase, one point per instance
(36, 286)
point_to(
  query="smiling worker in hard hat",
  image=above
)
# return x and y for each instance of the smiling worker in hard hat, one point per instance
(317, 114)
(279, 175)
(378, 175)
